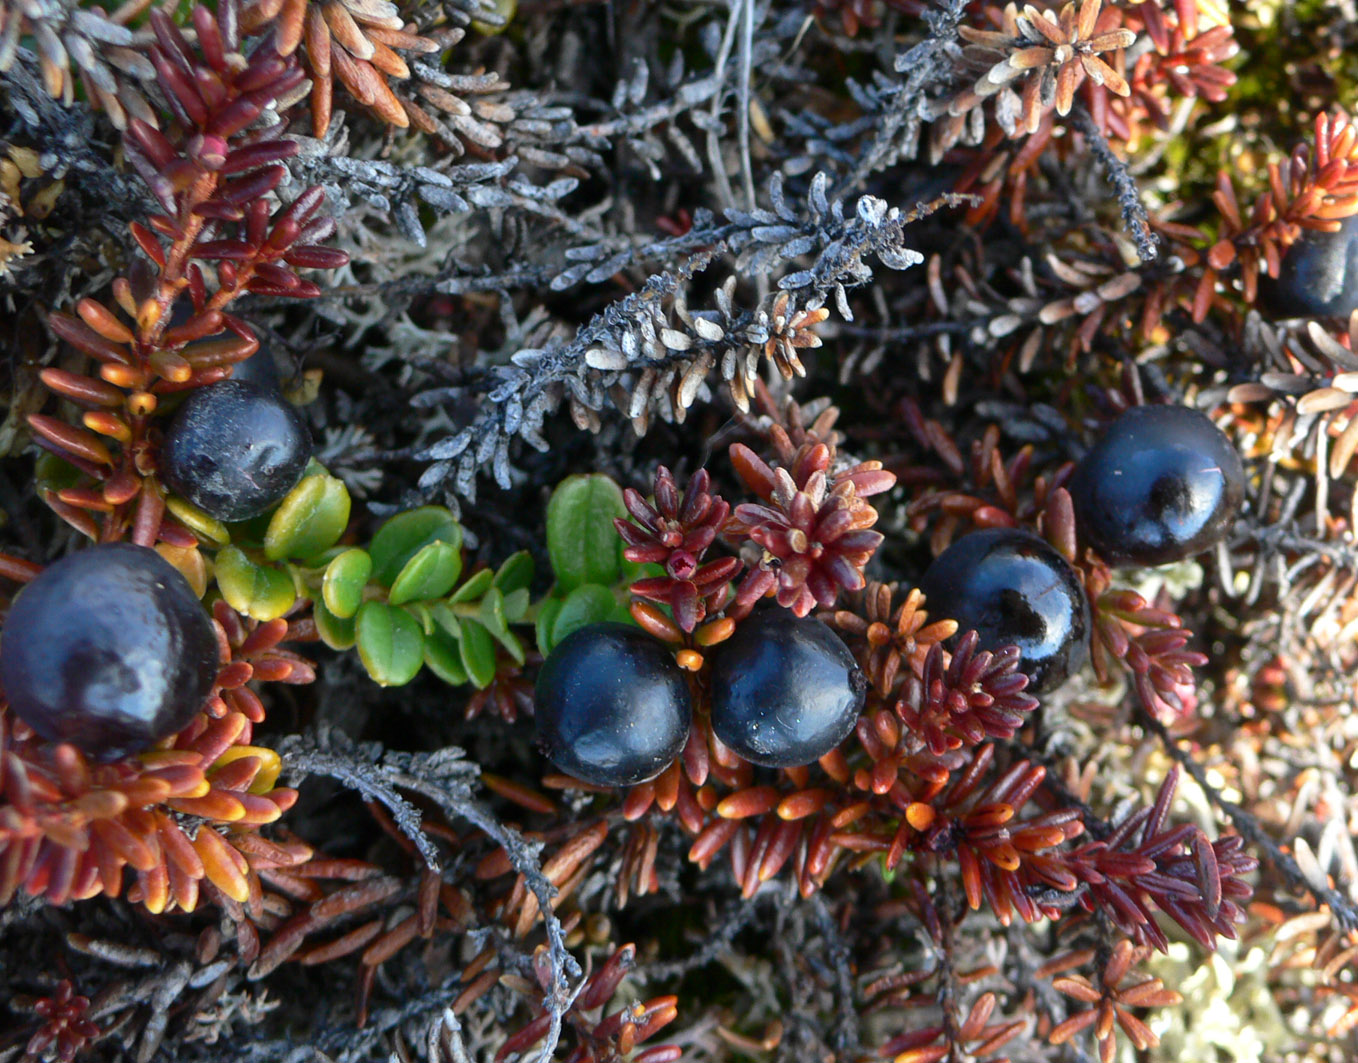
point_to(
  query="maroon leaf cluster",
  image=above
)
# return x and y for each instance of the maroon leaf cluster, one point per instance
(676, 532)
(1150, 642)
(963, 701)
(212, 179)
(813, 525)
(1198, 882)
(65, 1030)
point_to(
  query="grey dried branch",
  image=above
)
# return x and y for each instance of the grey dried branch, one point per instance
(652, 354)
(903, 106)
(1134, 215)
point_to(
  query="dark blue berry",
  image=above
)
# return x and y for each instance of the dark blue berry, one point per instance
(1162, 484)
(234, 449)
(108, 649)
(785, 691)
(1013, 589)
(612, 706)
(1318, 276)
(260, 369)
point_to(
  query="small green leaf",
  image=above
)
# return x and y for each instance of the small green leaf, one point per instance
(589, 604)
(336, 632)
(431, 573)
(478, 653)
(344, 580)
(193, 518)
(310, 519)
(516, 573)
(261, 592)
(516, 605)
(443, 655)
(491, 614)
(583, 544)
(513, 646)
(406, 534)
(54, 473)
(446, 619)
(548, 611)
(475, 586)
(390, 643)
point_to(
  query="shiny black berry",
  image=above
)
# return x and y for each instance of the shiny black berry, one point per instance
(1013, 589)
(612, 706)
(1164, 483)
(785, 691)
(1318, 276)
(259, 368)
(234, 449)
(108, 649)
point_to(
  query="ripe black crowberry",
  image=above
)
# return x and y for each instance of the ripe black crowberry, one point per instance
(612, 706)
(1318, 276)
(1013, 589)
(259, 368)
(785, 691)
(1164, 483)
(108, 649)
(234, 449)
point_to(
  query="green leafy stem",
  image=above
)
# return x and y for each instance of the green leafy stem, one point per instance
(404, 601)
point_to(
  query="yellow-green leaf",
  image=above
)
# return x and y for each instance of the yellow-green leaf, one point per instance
(262, 592)
(344, 580)
(311, 518)
(336, 632)
(198, 522)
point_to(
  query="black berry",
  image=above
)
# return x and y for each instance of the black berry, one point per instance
(234, 449)
(1318, 276)
(259, 368)
(1013, 589)
(612, 706)
(785, 691)
(1164, 483)
(108, 649)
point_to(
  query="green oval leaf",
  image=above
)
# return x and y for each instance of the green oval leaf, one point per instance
(581, 540)
(446, 619)
(431, 573)
(548, 611)
(516, 573)
(443, 655)
(311, 518)
(335, 631)
(390, 643)
(406, 534)
(516, 605)
(491, 613)
(589, 604)
(477, 584)
(261, 592)
(478, 653)
(344, 580)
